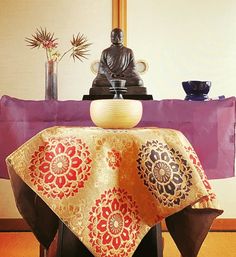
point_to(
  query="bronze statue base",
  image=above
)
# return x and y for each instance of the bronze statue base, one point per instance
(110, 96)
(131, 90)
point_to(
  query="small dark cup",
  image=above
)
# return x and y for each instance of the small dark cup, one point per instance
(196, 90)
(118, 83)
(118, 88)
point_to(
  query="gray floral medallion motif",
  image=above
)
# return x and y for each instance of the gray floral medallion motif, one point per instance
(164, 172)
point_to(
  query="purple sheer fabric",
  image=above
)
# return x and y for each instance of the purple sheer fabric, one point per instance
(209, 126)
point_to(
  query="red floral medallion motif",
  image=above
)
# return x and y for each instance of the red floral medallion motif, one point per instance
(113, 159)
(60, 167)
(114, 224)
(193, 156)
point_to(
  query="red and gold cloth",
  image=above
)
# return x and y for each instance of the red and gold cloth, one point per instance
(111, 186)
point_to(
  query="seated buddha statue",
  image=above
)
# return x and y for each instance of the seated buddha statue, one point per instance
(117, 62)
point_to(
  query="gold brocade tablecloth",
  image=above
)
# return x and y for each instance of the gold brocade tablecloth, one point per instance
(111, 186)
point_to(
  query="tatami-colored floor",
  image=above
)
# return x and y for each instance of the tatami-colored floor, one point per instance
(215, 245)
(20, 244)
(25, 245)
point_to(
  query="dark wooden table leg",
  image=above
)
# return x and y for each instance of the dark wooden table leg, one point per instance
(159, 241)
(42, 251)
(151, 245)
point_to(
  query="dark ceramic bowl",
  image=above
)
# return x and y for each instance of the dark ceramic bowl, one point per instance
(196, 87)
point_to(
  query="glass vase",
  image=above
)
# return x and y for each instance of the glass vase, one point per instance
(51, 80)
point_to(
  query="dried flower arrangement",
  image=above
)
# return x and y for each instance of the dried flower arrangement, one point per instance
(44, 39)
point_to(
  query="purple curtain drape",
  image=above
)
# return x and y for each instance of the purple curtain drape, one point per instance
(209, 126)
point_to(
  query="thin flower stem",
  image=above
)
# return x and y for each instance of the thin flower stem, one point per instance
(65, 53)
(50, 54)
(48, 58)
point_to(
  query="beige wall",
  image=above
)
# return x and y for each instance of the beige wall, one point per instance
(184, 40)
(187, 40)
(22, 69)
(176, 40)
